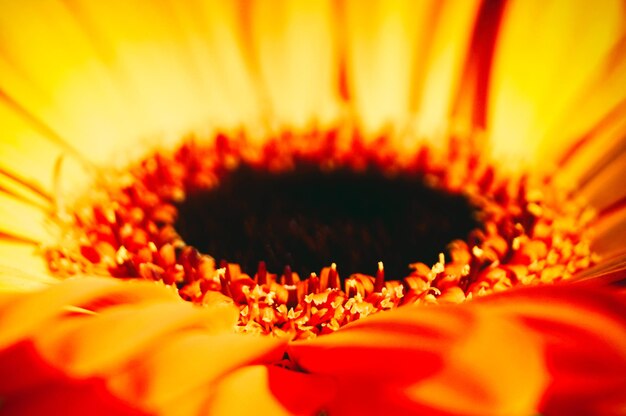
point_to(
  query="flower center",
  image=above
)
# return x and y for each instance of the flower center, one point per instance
(291, 229)
(307, 217)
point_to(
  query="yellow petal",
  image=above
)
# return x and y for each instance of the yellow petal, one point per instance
(593, 152)
(606, 187)
(31, 153)
(384, 44)
(296, 50)
(442, 66)
(95, 91)
(602, 102)
(59, 86)
(22, 267)
(23, 220)
(546, 54)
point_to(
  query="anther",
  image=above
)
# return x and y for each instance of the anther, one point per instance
(292, 296)
(333, 277)
(313, 283)
(261, 274)
(288, 276)
(224, 265)
(225, 282)
(380, 278)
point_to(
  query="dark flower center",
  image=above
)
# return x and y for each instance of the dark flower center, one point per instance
(307, 218)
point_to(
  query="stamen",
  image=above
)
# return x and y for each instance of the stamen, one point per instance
(261, 275)
(288, 276)
(380, 278)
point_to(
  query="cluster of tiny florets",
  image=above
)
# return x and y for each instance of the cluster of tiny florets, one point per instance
(529, 234)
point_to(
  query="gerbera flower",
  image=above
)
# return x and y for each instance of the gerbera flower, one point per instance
(487, 135)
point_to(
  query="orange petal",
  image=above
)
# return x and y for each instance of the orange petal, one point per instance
(22, 316)
(49, 346)
(187, 364)
(537, 349)
(98, 344)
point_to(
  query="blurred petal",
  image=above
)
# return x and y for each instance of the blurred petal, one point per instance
(22, 267)
(70, 398)
(58, 85)
(598, 111)
(530, 89)
(24, 317)
(530, 350)
(96, 92)
(188, 364)
(270, 391)
(610, 232)
(442, 66)
(123, 342)
(291, 38)
(99, 344)
(37, 165)
(22, 220)
(88, 84)
(383, 44)
(36, 311)
(418, 362)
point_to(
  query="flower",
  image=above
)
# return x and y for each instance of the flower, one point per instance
(536, 87)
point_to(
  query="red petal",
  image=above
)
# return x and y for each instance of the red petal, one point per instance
(68, 397)
(261, 390)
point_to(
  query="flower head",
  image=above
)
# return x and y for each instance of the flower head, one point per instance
(179, 182)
